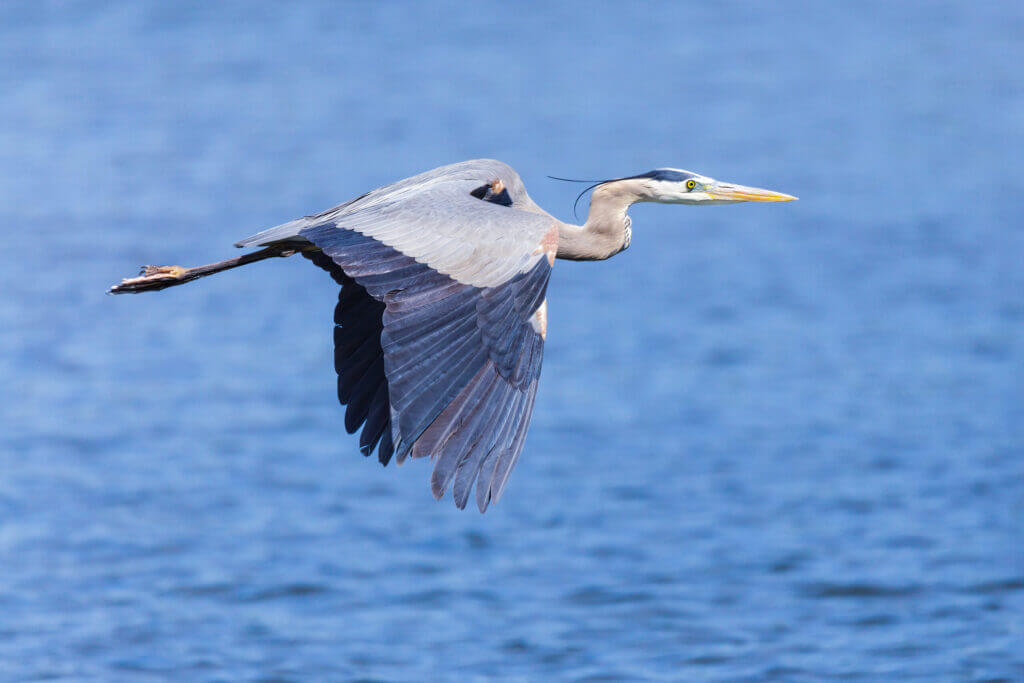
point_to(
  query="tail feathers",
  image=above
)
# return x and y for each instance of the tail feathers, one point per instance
(278, 233)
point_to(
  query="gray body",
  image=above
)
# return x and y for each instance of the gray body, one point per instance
(441, 317)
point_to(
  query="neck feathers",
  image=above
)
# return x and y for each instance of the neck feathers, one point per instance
(607, 230)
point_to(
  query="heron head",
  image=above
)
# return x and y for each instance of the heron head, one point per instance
(675, 186)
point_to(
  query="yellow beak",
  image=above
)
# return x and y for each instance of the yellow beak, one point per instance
(741, 193)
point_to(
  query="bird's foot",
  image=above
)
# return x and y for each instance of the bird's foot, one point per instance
(150, 278)
(150, 272)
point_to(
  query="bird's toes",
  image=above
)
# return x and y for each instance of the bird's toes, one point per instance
(161, 271)
(151, 278)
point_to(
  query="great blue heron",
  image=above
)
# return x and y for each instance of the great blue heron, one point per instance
(441, 318)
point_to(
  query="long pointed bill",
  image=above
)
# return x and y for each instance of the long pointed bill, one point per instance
(739, 193)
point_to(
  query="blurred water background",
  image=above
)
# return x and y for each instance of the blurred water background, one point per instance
(771, 441)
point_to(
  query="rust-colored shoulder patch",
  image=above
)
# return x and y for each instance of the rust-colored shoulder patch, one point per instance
(549, 244)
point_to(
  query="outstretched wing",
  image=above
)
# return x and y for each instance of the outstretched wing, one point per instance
(450, 367)
(472, 221)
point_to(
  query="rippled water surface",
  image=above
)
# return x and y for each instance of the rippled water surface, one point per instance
(771, 441)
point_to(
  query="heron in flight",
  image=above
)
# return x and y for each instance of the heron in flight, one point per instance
(441, 318)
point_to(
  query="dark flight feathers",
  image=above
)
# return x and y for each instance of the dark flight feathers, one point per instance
(429, 366)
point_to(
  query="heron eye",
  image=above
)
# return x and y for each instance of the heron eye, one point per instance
(690, 184)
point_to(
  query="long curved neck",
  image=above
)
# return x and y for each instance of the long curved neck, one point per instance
(606, 231)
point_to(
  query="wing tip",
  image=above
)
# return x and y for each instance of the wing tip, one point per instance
(438, 486)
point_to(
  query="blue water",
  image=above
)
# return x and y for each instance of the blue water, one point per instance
(775, 442)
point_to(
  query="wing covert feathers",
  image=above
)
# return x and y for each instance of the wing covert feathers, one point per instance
(430, 366)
